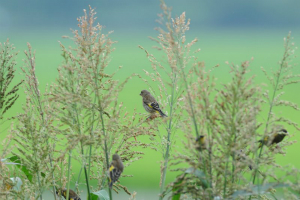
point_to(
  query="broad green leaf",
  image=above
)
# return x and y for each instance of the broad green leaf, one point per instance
(200, 174)
(23, 168)
(258, 189)
(100, 195)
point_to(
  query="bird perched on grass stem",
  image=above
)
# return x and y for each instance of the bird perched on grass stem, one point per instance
(274, 139)
(150, 104)
(201, 143)
(72, 194)
(115, 169)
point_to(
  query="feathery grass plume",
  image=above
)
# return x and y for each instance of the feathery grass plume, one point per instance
(171, 42)
(280, 78)
(227, 120)
(238, 108)
(41, 105)
(8, 96)
(92, 119)
(33, 134)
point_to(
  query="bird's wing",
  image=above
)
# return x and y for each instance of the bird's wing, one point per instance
(154, 105)
(117, 174)
(111, 173)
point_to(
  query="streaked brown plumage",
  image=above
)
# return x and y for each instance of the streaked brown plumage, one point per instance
(115, 169)
(150, 104)
(72, 194)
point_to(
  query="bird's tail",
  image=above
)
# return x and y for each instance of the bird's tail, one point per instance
(162, 114)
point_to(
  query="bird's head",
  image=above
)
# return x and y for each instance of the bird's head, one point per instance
(200, 138)
(283, 132)
(116, 157)
(144, 92)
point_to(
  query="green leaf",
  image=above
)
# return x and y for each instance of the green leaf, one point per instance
(100, 195)
(23, 168)
(200, 174)
(176, 189)
(7, 163)
(258, 189)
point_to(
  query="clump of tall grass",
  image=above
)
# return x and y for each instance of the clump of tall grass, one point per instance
(227, 117)
(34, 136)
(8, 96)
(8, 93)
(170, 41)
(79, 118)
(92, 118)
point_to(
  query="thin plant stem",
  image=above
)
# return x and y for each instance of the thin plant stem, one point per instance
(68, 174)
(188, 94)
(82, 153)
(89, 164)
(106, 151)
(91, 146)
(61, 176)
(40, 195)
(194, 118)
(49, 155)
(225, 177)
(271, 109)
(102, 123)
(91, 132)
(209, 153)
(40, 108)
(167, 154)
(85, 173)
(53, 179)
(78, 178)
(285, 56)
(165, 166)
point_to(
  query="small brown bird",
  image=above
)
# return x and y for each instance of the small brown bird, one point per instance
(115, 169)
(201, 143)
(72, 194)
(150, 104)
(274, 139)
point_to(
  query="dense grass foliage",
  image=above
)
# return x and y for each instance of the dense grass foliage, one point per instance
(225, 124)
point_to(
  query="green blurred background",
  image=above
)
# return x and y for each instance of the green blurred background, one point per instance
(232, 31)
